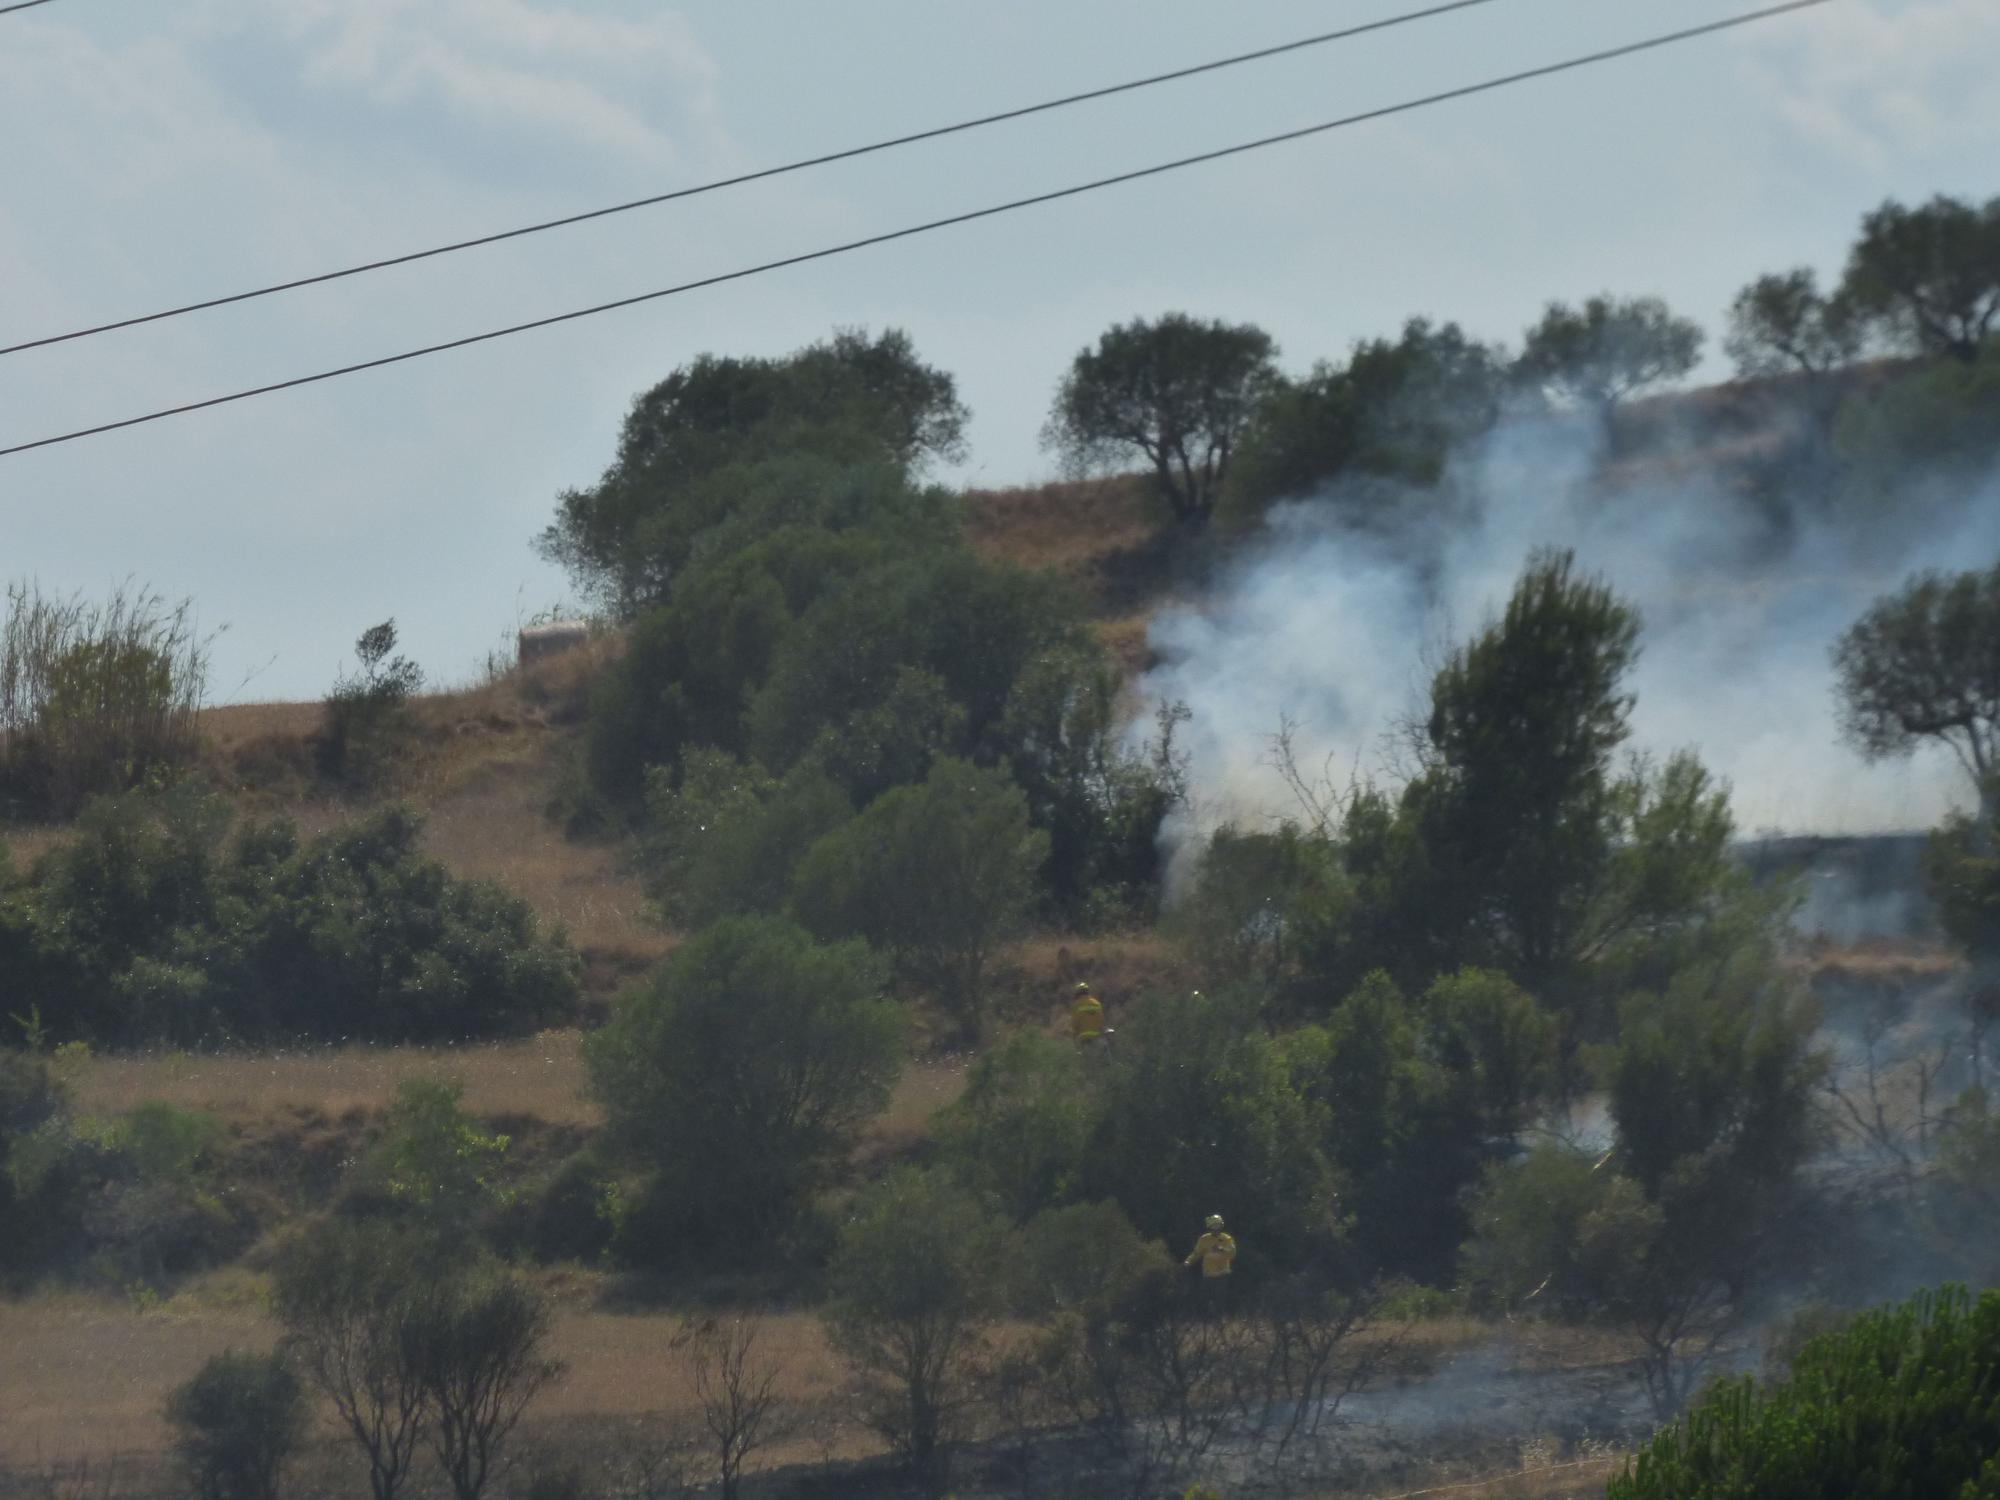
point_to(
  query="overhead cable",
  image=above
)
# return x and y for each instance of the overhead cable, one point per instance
(1546, 70)
(848, 154)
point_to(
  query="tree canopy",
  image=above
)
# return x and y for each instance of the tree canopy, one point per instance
(1929, 276)
(862, 403)
(1178, 393)
(1599, 353)
(1923, 664)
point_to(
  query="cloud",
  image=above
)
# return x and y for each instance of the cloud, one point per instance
(638, 88)
(1877, 80)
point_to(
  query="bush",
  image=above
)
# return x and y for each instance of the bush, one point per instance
(738, 1080)
(237, 1423)
(913, 1291)
(937, 874)
(367, 715)
(1199, 1116)
(440, 1167)
(149, 926)
(32, 1206)
(94, 698)
(1020, 1131)
(1898, 1403)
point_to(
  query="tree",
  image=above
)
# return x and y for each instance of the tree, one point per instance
(367, 714)
(1179, 393)
(916, 1281)
(440, 1165)
(1930, 276)
(1606, 350)
(738, 1079)
(1923, 664)
(1018, 1133)
(1393, 415)
(736, 1391)
(1783, 323)
(845, 408)
(343, 1294)
(476, 1344)
(1513, 806)
(1897, 1402)
(1199, 1114)
(237, 1423)
(938, 874)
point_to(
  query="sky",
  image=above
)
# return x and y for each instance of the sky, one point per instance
(156, 153)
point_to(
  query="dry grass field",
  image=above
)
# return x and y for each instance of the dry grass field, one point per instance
(85, 1376)
(539, 1076)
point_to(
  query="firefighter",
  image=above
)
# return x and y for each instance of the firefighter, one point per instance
(1086, 1018)
(1216, 1250)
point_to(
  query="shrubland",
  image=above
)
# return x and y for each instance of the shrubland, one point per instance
(1510, 1033)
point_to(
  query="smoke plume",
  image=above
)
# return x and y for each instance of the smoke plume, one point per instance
(1332, 617)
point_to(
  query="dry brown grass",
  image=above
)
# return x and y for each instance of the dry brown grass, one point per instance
(539, 1076)
(88, 1375)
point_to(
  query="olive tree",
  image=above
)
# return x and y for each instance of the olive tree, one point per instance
(1930, 275)
(1783, 323)
(1178, 393)
(1923, 665)
(1598, 354)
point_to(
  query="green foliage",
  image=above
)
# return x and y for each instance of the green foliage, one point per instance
(164, 1143)
(441, 1166)
(1560, 1232)
(695, 452)
(367, 715)
(1085, 1258)
(1178, 393)
(939, 874)
(1898, 1403)
(476, 1344)
(237, 1423)
(727, 838)
(737, 1080)
(1929, 277)
(94, 698)
(1019, 1132)
(1780, 324)
(153, 924)
(32, 1203)
(1200, 1116)
(1930, 434)
(1922, 665)
(1598, 354)
(1498, 1045)
(1367, 431)
(1251, 892)
(919, 1274)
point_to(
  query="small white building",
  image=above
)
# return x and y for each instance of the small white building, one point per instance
(538, 642)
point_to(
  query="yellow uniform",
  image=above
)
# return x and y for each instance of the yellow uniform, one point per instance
(1216, 1250)
(1086, 1019)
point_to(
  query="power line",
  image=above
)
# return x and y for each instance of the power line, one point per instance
(1261, 54)
(22, 5)
(1465, 91)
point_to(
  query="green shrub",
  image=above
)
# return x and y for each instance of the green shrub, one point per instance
(737, 1081)
(938, 874)
(237, 1423)
(151, 925)
(1020, 1131)
(367, 714)
(433, 1162)
(1899, 1403)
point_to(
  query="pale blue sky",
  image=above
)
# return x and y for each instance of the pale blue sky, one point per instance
(153, 152)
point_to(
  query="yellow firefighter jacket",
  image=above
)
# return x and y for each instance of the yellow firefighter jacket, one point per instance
(1086, 1019)
(1215, 1250)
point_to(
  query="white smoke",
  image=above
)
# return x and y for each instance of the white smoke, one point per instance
(1337, 628)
